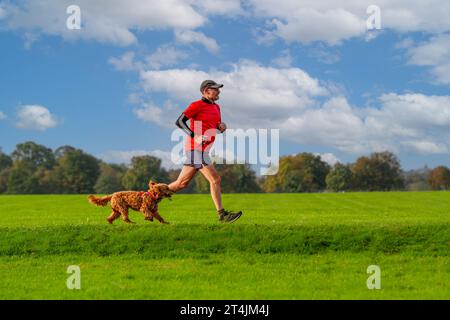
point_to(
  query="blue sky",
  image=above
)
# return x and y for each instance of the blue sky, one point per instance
(115, 87)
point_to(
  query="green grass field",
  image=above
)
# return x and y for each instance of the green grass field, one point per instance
(285, 246)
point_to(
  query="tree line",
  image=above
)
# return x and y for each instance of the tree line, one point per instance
(35, 169)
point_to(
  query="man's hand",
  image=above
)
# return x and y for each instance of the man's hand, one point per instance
(201, 139)
(222, 127)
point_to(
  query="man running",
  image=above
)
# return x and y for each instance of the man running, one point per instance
(205, 120)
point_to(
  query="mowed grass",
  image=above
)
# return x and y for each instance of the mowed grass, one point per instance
(285, 246)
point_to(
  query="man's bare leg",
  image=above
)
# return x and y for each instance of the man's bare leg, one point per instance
(214, 179)
(211, 174)
(186, 175)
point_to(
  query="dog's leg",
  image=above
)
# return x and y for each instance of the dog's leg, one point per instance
(159, 218)
(113, 216)
(127, 220)
(148, 215)
(124, 212)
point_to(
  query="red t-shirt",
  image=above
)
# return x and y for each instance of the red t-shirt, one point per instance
(206, 116)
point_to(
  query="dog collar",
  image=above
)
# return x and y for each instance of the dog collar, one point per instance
(142, 193)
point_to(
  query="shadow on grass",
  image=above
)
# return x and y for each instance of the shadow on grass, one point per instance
(199, 240)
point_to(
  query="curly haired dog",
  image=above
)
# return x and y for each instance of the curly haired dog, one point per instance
(145, 202)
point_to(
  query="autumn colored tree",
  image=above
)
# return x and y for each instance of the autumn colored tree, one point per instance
(380, 171)
(439, 178)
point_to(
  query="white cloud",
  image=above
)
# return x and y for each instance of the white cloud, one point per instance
(219, 7)
(427, 147)
(150, 113)
(329, 158)
(332, 22)
(163, 116)
(125, 157)
(434, 53)
(405, 43)
(165, 56)
(411, 122)
(415, 16)
(335, 21)
(116, 21)
(169, 159)
(335, 124)
(112, 21)
(324, 55)
(35, 117)
(126, 62)
(189, 36)
(2, 11)
(2, 116)
(309, 25)
(284, 60)
(254, 95)
(416, 111)
(181, 84)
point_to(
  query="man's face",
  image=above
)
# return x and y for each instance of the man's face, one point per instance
(211, 94)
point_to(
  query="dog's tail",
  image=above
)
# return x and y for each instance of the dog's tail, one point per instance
(103, 201)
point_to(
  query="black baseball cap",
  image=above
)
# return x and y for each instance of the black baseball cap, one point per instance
(210, 84)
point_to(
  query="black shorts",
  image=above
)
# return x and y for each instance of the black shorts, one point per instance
(197, 159)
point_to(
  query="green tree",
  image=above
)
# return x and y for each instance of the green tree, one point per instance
(245, 179)
(76, 172)
(110, 178)
(34, 155)
(31, 162)
(143, 169)
(5, 166)
(21, 179)
(201, 184)
(4, 177)
(5, 161)
(339, 178)
(304, 172)
(235, 178)
(61, 151)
